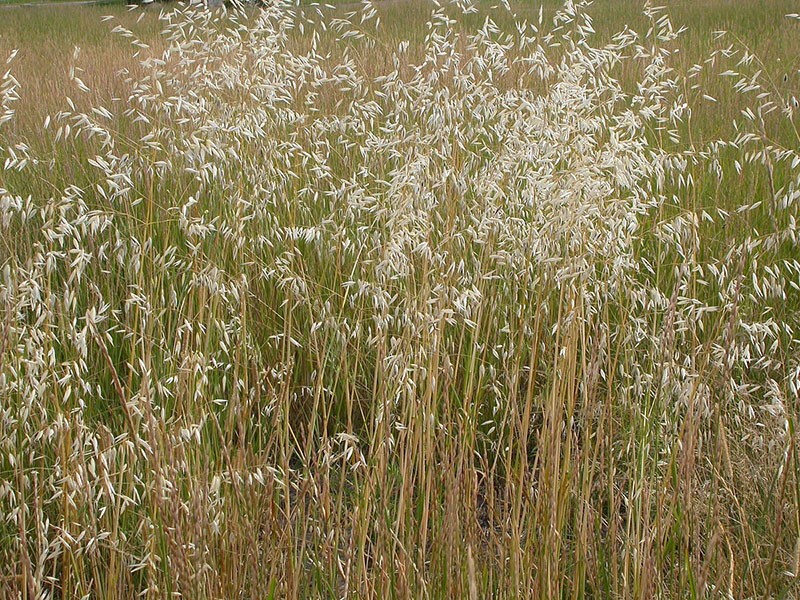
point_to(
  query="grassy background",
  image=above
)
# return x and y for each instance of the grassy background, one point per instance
(656, 495)
(46, 39)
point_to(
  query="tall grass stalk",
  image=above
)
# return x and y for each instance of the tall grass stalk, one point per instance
(316, 310)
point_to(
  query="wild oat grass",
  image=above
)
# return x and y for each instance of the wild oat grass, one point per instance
(323, 307)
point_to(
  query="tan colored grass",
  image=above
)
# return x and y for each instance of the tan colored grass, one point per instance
(500, 312)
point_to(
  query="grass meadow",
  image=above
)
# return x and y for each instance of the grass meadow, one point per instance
(400, 300)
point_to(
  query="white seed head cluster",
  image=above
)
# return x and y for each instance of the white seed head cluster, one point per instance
(302, 250)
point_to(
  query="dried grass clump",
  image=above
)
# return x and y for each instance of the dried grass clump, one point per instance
(320, 312)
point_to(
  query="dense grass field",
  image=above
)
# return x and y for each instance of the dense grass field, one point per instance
(403, 300)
